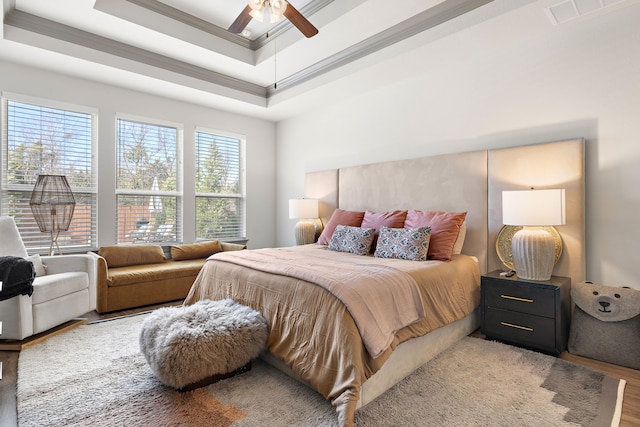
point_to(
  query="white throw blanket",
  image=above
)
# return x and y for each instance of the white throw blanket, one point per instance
(381, 299)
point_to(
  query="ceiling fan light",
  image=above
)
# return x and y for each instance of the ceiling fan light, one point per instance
(277, 8)
(274, 17)
(256, 4)
(257, 13)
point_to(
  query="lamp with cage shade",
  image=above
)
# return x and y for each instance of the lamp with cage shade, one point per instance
(52, 204)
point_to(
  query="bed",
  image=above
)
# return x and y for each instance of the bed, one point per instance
(314, 334)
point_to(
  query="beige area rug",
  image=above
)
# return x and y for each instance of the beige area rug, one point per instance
(95, 375)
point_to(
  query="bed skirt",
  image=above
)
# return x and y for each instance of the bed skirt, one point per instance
(405, 359)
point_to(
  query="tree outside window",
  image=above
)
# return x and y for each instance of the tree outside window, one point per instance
(219, 186)
(147, 183)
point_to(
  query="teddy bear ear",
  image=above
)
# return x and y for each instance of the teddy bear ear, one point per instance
(582, 295)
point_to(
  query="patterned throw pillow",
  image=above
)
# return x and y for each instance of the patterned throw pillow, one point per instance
(354, 240)
(404, 243)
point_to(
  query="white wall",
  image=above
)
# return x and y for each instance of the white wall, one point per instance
(109, 100)
(512, 80)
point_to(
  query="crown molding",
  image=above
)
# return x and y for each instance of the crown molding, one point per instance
(263, 40)
(55, 30)
(192, 21)
(442, 12)
(430, 18)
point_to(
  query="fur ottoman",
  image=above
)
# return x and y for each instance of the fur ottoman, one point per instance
(606, 324)
(192, 346)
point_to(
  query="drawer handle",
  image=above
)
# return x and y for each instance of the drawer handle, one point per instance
(516, 298)
(511, 325)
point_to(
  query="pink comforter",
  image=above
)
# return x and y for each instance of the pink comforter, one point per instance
(314, 334)
(365, 292)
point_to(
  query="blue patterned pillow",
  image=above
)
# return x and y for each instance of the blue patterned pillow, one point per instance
(403, 243)
(354, 240)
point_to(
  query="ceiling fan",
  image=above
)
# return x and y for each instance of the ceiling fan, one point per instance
(277, 8)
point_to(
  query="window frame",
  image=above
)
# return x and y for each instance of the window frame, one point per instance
(29, 229)
(176, 234)
(241, 196)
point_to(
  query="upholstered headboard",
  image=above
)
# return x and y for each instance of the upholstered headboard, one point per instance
(471, 182)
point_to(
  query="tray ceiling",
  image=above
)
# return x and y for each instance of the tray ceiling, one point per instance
(181, 49)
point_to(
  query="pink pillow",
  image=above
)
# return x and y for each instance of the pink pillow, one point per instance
(394, 219)
(445, 227)
(339, 217)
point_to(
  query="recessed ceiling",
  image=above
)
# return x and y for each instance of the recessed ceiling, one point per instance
(181, 48)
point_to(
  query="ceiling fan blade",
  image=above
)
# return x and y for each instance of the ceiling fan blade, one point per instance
(241, 21)
(300, 22)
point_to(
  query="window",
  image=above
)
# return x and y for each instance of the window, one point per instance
(219, 186)
(147, 182)
(39, 137)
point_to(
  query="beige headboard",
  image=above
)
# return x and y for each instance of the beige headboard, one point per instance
(471, 182)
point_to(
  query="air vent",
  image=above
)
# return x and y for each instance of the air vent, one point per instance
(567, 10)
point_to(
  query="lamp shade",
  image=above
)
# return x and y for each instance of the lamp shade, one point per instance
(303, 208)
(52, 203)
(533, 207)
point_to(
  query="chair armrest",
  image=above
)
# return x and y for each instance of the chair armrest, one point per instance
(74, 263)
(102, 287)
(66, 263)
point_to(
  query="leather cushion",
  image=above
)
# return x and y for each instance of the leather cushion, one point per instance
(131, 275)
(195, 250)
(120, 256)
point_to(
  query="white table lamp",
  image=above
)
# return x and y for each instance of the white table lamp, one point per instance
(533, 248)
(305, 210)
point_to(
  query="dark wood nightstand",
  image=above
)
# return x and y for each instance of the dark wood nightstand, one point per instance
(527, 313)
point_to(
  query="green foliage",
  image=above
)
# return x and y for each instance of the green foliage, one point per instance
(146, 153)
(219, 208)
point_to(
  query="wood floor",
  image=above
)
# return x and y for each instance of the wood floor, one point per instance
(630, 408)
(631, 403)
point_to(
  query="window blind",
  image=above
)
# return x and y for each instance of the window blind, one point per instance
(39, 139)
(147, 183)
(219, 186)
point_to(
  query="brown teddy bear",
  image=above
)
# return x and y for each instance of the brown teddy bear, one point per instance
(606, 324)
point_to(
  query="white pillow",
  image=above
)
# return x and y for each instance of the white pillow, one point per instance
(38, 266)
(457, 246)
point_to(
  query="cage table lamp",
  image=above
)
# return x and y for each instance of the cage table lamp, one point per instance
(52, 204)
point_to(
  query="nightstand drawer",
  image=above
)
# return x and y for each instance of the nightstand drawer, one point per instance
(523, 328)
(522, 298)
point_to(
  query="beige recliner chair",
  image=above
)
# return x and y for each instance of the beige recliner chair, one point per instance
(64, 288)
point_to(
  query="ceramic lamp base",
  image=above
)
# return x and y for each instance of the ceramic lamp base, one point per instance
(533, 252)
(305, 232)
